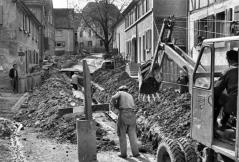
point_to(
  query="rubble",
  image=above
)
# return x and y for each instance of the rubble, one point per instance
(42, 112)
(168, 116)
(7, 128)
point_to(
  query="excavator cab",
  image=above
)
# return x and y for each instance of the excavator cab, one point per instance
(210, 65)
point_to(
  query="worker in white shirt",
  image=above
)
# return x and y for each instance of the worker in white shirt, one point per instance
(75, 80)
(126, 124)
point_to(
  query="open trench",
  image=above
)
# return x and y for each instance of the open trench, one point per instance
(9, 129)
(30, 142)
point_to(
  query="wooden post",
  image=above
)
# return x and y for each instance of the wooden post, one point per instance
(87, 88)
(86, 129)
(86, 140)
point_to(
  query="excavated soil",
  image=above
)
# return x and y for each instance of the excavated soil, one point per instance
(42, 112)
(168, 116)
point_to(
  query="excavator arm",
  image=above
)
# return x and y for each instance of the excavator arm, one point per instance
(150, 73)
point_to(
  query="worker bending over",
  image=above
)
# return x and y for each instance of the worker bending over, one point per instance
(76, 79)
(126, 124)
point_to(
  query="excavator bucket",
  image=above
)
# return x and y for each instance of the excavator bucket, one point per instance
(148, 84)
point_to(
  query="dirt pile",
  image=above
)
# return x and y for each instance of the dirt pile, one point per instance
(66, 61)
(7, 128)
(43, 106)
(168, 116)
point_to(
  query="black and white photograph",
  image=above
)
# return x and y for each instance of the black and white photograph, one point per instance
(119, 80)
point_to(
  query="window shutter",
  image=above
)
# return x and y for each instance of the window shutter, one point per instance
(150, 39)
(147, 39)
(1, 15)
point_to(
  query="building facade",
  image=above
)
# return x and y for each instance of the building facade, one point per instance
(211, 19)
(43, 10)
(20, 35)
(64, 32)
(87, 40)
(136, 34)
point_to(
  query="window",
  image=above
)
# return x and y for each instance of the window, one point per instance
(23, 22)
(1, 15)
(143, 7)
(139, 48)
(29, 25)
(236, 13)
(144, 47)
(90, 34)
(33, 31)
(81, 33)
(148, 39)
(37, 58)
(60, 44)
(147, 5)
(26, 23)
(59, 33)
(81, 44)
(139, 10)
(128, 49)
(126, 21)
(220, 24)
(202, 78)
(89, 43)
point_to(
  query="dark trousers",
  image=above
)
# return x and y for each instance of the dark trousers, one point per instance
(74, 86)
(127, 125)
(14, 83)
(229, 105)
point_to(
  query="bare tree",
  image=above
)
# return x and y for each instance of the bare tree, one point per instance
(100, 16)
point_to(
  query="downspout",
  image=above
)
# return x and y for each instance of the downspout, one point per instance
(136, 43)
(187, 31)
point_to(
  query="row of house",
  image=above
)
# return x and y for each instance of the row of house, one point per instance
(27, 33)
(64, 31)
(27, 37)
(136, 34)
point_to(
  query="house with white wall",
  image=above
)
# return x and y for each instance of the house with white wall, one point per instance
(88, 40)
(64, 32)
(136, 34)
(211, 19)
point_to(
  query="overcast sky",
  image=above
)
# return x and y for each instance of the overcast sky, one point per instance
(79, 3)
(71, 3)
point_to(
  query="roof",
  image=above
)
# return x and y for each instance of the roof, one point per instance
(130, 6)
(127, 9)
(33, 2)
(63, 18)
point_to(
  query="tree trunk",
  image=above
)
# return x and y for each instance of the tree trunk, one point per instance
(107, 48)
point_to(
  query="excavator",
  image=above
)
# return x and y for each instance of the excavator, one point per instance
(203, 74)
(150, 74)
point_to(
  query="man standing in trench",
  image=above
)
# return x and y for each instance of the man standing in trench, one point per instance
(126, 124)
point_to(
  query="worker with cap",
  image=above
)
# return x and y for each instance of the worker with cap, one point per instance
(126, 124)
(75, 80)
(229, 82)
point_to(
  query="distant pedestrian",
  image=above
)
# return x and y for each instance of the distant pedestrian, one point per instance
(124, 102)
(76, 80)
(13, 74)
